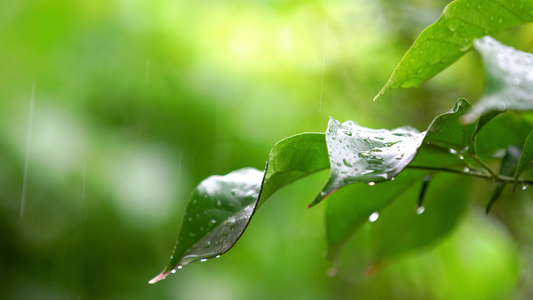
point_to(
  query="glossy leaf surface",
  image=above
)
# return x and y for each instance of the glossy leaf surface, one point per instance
(452, 35)
(360, 154)
(216, 216)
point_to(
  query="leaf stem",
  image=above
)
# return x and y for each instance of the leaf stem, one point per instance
(495, 177)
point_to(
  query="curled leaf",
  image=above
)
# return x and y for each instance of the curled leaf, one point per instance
(360, 154)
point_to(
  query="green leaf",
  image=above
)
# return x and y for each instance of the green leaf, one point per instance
(360, 154)
(401, 228)
(221, 207)
(525, 158)
(451, 36)
(509, 75)
(293, 158)
(507, 168)
(446, 141)
(215, 218)
(349, 208)
(503, 131)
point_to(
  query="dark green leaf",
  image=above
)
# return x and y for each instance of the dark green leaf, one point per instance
(509, 79)
(215, 218)
(503, 131)
(360, 154)
(349, 208)
(446, 40)
(448, 131)
(446, 140)
(507, 168)
(525, 158)
(401, 228)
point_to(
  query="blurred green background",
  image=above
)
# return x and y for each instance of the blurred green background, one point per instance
(135, 102)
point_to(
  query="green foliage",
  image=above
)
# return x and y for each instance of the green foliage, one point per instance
(445, 41)
(358, 154)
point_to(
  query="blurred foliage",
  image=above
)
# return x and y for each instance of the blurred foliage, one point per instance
(136, 102)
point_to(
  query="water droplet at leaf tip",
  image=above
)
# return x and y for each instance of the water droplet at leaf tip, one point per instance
(159, 277)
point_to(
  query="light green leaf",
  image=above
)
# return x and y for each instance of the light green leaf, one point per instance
(293, 158)
(525, 158)
(509, 79)
(451, 36)
(360, 154)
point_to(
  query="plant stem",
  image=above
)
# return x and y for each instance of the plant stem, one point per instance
(494, 177)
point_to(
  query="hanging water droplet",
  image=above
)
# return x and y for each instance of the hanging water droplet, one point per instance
(420, 210)
(371, 183)
(524, 187)
(373, 217)
(203, 260)
(466, 170)
(502, 106)
(180, 267)
(218, 256)
(452, 151)
(461, 157)
(393, 178)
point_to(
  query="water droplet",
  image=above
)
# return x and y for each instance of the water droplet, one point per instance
(371, 183)
(218, 256)
(393, 178)
(524, 187)
(219, 203)
(466, 170)
(348, 132)
(180, 267)
(203, 260)
(461, 157)
(173, 271)
(420, 210)
(452, 151)
(502, 106)
(347, 163)
(207, 244)
(373, 217)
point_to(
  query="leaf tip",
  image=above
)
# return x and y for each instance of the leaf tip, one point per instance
(159, 277)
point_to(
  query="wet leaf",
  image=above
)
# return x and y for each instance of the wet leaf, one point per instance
(509, 75)
(507, 168)
(221, 207)
(217, 214)
(402, 228)
(360, 154)
(525, 158)
(451, 36)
